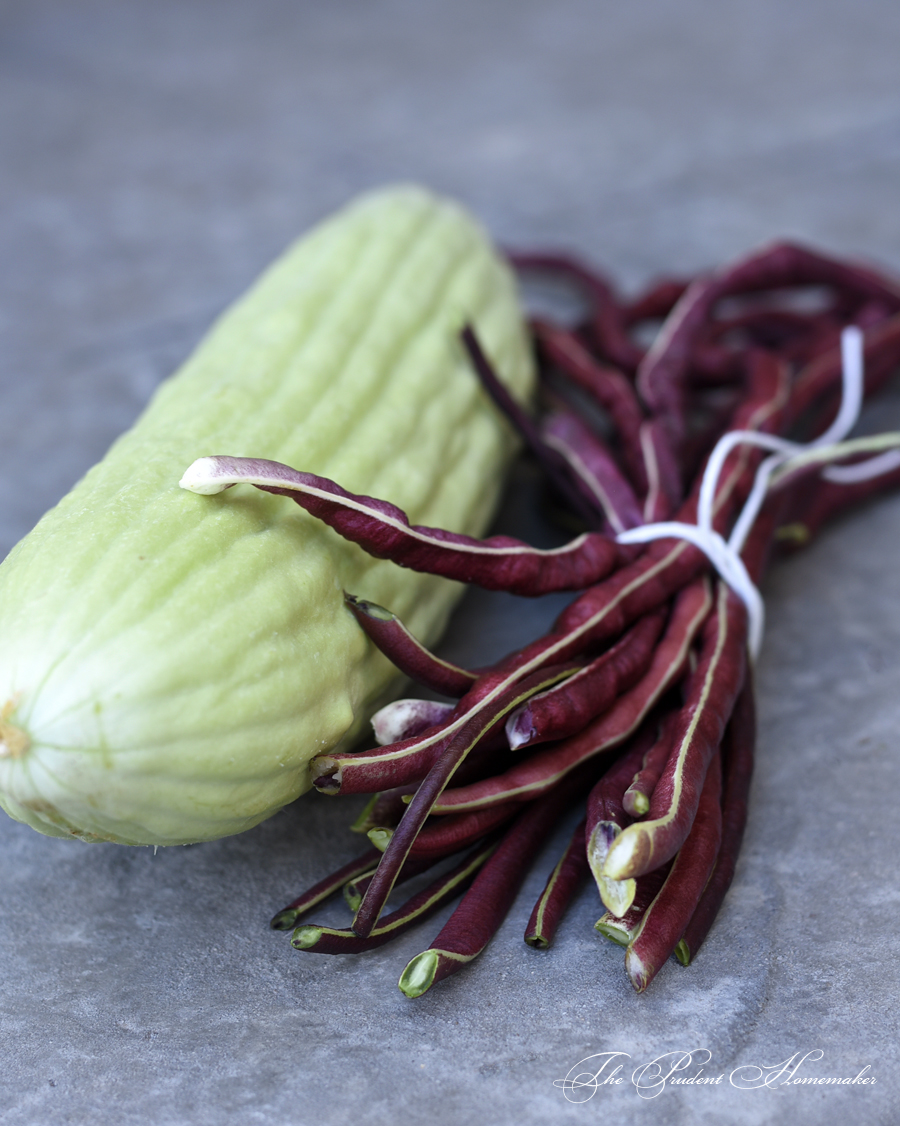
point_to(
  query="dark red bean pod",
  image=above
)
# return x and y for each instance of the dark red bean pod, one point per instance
(825, 500)
(656, 301)
(545, 769)
(434, 782)
(405, 719)
(662, 470)
(443, 836)
(324, 889)
(484, 906)
(564, 881)
(664, 921)
(383, 530)
(608, 324)
(709, 701)
(737, 770)
(636, 798)
(606, 819)
(332, 940)
(568, 707)
(567, 483)
(410, 656)
(590, 460)
(620, 928)
(355, 889)
(605, 385)
(397, 765)
(881, 354)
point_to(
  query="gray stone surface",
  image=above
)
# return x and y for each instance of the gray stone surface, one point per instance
(153, 157)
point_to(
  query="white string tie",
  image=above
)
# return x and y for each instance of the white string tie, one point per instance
(787, 456)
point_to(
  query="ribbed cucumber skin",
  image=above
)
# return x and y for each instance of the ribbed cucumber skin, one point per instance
(175, 660)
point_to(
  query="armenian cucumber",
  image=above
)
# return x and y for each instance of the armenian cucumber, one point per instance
(170, 662)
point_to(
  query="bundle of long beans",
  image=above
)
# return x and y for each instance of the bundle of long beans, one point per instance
(638, 704)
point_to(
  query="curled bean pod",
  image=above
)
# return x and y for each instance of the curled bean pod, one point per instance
(661, 376)
(568, 484)
(383, 530)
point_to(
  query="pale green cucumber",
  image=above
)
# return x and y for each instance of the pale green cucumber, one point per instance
(169, 663)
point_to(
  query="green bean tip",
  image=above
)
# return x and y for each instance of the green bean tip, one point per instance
(418, 977)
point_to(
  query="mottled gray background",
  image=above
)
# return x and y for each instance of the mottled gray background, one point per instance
(153, 157)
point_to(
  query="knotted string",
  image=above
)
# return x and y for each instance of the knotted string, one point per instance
(787, 457)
